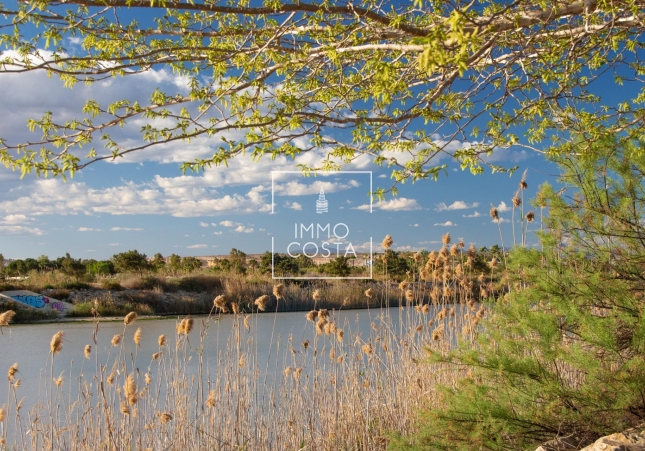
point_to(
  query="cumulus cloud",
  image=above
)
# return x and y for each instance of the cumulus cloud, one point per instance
(203, 224)
(474, 215)
(242, 229)
(88, 229)
(217, 233)
(293, 205)
(502, 207)
(126, 229)
(398, 204)
(228, 223)
(197, 246)
(445, 224)
(456, 205)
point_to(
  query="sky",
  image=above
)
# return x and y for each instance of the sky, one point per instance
(144, 202)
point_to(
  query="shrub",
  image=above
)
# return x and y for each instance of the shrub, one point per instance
(110, 284)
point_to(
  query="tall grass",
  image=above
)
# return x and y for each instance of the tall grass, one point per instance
(331, 387)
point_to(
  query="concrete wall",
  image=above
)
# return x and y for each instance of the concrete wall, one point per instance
(37, 301)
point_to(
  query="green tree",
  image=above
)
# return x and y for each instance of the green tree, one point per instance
(396, 75)
(103, 267)
(158, 262)
(338, 267)
(174, 262)
(131, 261)
(190, 264)
(562, 355)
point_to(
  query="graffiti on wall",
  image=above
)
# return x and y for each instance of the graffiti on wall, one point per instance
(39, 301)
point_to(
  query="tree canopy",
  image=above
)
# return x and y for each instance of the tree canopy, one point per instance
(407, 84)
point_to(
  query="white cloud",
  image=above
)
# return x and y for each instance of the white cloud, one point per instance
(88, 229)
(502, 207)
(203, 224)
(414, 225)
(242, 229)
(446, 224)
(126, 229)
(20, 230)
(293, 205)
(398, 204)
(474, 215)
(501, 220)
(197, 246)
(430, 242)
(297, 188)
(228, 223)
(408, 248)
(115, 244)
(217, 233)
(382, 176)
(456, 205)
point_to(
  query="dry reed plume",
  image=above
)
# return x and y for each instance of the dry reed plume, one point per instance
(6, 317)
(56, 345)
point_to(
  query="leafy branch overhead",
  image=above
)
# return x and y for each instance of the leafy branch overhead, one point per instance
(404, 84)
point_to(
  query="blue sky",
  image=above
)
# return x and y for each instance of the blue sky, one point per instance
(144, 202)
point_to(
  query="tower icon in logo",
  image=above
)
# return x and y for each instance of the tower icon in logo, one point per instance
(321, 203)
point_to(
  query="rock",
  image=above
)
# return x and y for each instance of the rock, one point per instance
(630, 440)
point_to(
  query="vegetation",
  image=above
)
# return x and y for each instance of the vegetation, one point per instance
(285, 73)
(562, 356)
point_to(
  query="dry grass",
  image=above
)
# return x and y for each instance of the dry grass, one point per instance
(337, 390)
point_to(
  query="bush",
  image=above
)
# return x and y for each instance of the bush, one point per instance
(76, 286)
(109, 308)
(110, 284)
(562, 356)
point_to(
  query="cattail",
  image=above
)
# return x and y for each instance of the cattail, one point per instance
(156, 355)
(297, 373)
(147, 378)
(454, 250)
(11, 374)
(247, 323)
(130, 318)
(493, 263)
(161, 340)
(446, 239)
(6, 317)
(185, 326)
(116, 340)
(323, 313)
(368, 292)
(409, 295)
(312, 316)
(339, 335)
(387, 242)
(320, 326)
(368, 349)
(125, 410)
(137, 336)
(1, 414)
(278, 291)
(494, 215)
(305, 344)
(56, 344)
(235, 306)
(221, 303)
(419, 328)
(165, 417)
(59, 380)
(316, 296)
(425, 308)
(403, 286)
(523, 183)
(437, 334)
(87, 351)
(530, 216)
(211, 401)
(130, 389)
(261, 302)
(110, 378)
(517, 201)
